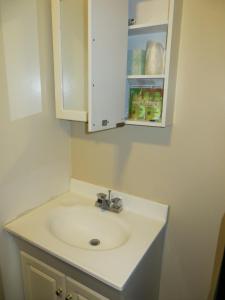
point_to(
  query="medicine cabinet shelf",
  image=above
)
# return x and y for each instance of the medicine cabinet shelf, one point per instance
(143, 123)
(161, 76)
(146, 28)
(91, 42)
(150, 98)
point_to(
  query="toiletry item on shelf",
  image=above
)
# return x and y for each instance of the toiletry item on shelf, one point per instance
(152, 11)
(134, 103)
(146, 103)
(154, 112)
(136, 62)
(155, 56)
(131, 22)
(137, 111)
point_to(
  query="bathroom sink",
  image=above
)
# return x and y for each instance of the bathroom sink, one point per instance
(88, 227)
(106, 245)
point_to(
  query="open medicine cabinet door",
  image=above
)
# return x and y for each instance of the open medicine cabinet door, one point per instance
(107, 63)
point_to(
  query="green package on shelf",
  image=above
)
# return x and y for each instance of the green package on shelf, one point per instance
(146, 104)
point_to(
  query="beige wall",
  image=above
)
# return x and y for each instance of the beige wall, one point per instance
(34, 150)
(183, 166)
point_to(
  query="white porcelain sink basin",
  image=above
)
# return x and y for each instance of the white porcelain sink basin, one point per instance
(65, 226)
(88, 228)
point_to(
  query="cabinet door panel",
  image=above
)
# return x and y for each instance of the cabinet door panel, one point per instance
(107, 39)
(81, 292)
(42, 287)
(41, 281)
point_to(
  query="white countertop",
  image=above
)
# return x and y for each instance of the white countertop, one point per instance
(145, 218)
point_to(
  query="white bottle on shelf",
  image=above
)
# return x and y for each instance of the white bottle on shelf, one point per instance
(154, 64)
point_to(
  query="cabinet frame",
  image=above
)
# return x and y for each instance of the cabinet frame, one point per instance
(172, 28)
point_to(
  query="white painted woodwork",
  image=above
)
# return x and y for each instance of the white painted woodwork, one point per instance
(41, 281)
(104, 85)
(101, 61)
(173, 37)
(168, 35)
(146, 28)
(107, 62)
(166, 119)
(81, 292)
(144, 123)
(160, 76)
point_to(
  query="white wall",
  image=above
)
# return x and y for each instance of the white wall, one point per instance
(34, 149)
(183, 166)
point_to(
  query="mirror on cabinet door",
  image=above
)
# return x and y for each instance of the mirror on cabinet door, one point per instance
(73, 20)
(90, 57)
(70, 39)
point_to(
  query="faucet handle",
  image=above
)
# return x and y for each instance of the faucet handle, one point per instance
(117, 204)
(101, 196)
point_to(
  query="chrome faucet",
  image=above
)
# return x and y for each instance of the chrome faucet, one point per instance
(106, 202)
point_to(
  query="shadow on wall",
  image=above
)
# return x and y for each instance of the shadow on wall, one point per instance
(149, 135)
(218, 260)
(123, 141)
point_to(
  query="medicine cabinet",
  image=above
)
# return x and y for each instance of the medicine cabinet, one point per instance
(92, 43)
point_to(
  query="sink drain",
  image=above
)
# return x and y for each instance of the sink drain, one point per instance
(94, 242)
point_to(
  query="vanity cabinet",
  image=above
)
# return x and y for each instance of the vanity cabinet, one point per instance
(91, 40)
(77, 291)
(42, 282)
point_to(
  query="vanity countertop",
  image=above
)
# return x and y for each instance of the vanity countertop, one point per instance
(141, 220)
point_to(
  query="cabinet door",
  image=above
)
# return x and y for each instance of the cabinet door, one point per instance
(90, 60)
(41, 282)
(77, 291)
(107, 48)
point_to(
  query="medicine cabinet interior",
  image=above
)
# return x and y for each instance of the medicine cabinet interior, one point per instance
(95, 75)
